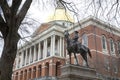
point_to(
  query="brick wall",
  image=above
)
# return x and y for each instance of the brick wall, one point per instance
(103, 63)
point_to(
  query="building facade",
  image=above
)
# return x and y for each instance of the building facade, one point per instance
(45, 54)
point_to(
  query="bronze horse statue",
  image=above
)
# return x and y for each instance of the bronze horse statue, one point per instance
(81, 49)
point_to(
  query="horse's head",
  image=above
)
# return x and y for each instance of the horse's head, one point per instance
(66, 34)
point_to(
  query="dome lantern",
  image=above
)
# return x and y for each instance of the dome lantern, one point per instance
(60, 14)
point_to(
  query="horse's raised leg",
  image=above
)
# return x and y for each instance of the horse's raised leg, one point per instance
(70, 57)
(84, 55)
(76, 58)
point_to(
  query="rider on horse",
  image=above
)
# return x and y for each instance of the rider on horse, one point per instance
(74, 46)
(75, 40)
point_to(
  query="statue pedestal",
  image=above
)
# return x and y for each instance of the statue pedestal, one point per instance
(73, 72)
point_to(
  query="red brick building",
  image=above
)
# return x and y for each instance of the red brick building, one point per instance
(46, 53)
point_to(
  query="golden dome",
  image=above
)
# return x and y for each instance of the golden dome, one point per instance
(60, 14)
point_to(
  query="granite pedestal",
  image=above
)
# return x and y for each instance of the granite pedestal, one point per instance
(73, 72)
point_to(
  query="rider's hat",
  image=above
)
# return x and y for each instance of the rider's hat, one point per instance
(76, 31)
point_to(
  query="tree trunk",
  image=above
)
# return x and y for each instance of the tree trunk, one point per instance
(8, 55)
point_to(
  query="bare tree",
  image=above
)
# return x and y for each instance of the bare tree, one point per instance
(13, 16)
(9, 25)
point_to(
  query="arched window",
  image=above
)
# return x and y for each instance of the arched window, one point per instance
(58, 71)
(34, 72)
(104, 43)
(112, 46)
(16, 76)
(47, 69)
(29, 74)
(39, 70)
(85, 40)
(21, 75)
(25, 74)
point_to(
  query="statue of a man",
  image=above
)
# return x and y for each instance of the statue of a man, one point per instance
(75, 40)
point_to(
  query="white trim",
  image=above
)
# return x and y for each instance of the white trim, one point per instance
(103, 53)
(99, 52)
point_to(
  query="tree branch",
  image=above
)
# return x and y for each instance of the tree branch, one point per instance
(3, 27)
(117, 1)
(15, 5)
(6, 9)
(23, 12)
(1, 19)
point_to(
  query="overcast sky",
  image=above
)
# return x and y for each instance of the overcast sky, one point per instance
(41, 9)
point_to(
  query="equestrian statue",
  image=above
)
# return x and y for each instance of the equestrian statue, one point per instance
(75, 47)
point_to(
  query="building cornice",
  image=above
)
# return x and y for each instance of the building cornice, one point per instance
(95, 22)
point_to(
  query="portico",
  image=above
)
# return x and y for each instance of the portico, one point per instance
(50, 45)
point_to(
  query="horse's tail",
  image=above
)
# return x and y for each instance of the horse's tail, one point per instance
(89, 53)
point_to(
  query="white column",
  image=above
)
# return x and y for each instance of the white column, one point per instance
(17, 61)
(60, 51)
(58, 47)
(46, 47)
(44, 52)
(23, 58)
(34, 53)
(51, 46)
(53, 50)
(26, 57)
(63, 53)
(30, 56)
(39, 50)
(21, 63)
